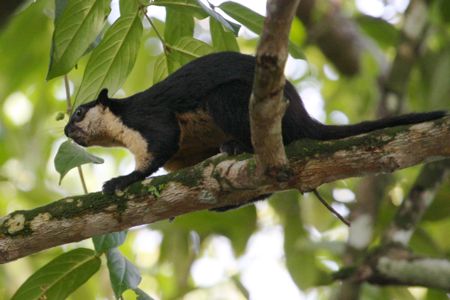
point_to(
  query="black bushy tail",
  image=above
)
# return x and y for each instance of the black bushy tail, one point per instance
(330, 132)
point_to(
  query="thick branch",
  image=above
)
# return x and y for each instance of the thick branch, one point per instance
(217, 182)
(267, 106)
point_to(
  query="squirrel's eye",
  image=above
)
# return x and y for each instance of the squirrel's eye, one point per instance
(78, 114)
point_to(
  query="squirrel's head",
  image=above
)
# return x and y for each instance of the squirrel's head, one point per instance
(92, 123)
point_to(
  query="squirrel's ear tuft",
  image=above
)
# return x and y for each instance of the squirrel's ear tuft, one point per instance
(103, 96)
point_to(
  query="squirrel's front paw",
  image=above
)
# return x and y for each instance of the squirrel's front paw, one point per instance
(234, 147)
(120, 183)
(112, 185)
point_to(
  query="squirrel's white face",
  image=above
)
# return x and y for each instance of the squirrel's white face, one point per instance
(93, 124)
(86, 126)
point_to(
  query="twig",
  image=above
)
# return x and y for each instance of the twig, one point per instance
(165, 46)
(69, 112)
(330, 208)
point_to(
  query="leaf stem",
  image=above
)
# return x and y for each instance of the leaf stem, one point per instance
(330, 208)
(69, 112)
(165, 46)
(83, 182)
(67, 87)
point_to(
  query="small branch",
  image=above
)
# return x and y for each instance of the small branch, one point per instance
(394, 83)
(163, 42)
(218, 182)
(266, 102)
(69, 112)
(330, 208)
(419, 199)
(67, 89)
(397, 266)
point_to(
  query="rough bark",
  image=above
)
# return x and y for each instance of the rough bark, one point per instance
(267, 105)
(217, 182)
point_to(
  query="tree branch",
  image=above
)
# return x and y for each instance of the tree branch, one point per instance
(217, 182)
(414, 206)
(267, 105)
(397, 266)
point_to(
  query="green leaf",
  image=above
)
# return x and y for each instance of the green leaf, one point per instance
(141, 295)
(60, 5)
(102, 243)
(254, 22)
(190, 48)
(70, 155)
(128, 7)
(186, 6)
(295, 51)
(444, 9)
(301, 254)
(60, 277)
(237, 224)
(433, 294)
(222, 40)
(182, 52)
(178, 25)
(112, 60)
(244, 15)
(122, 273)
(75, 29)
(160, 69)
(384, 33)
(231, 26)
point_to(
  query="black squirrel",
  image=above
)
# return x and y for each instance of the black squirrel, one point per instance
(196, 112)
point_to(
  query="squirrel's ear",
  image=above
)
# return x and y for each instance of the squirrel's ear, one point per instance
(103, 96)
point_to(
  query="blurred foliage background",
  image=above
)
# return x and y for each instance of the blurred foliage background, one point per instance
(286, 247)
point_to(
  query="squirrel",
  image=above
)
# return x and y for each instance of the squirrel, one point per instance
(198, 111)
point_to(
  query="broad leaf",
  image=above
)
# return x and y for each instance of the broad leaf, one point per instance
(238, 225)
(60, 277)
(254, 22)
(383, 32)
(75, 29)
(301, 254)
(102, 243)
(191, 48)
(178, 25)
(70, 156)
(128, 7)
(112, 61)
(231, 26)
(222, 40)
(244, 15)
(160, 69)
(187, 6)
(182, 52)
(60, 5)
(122, 273)
(141, 295)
